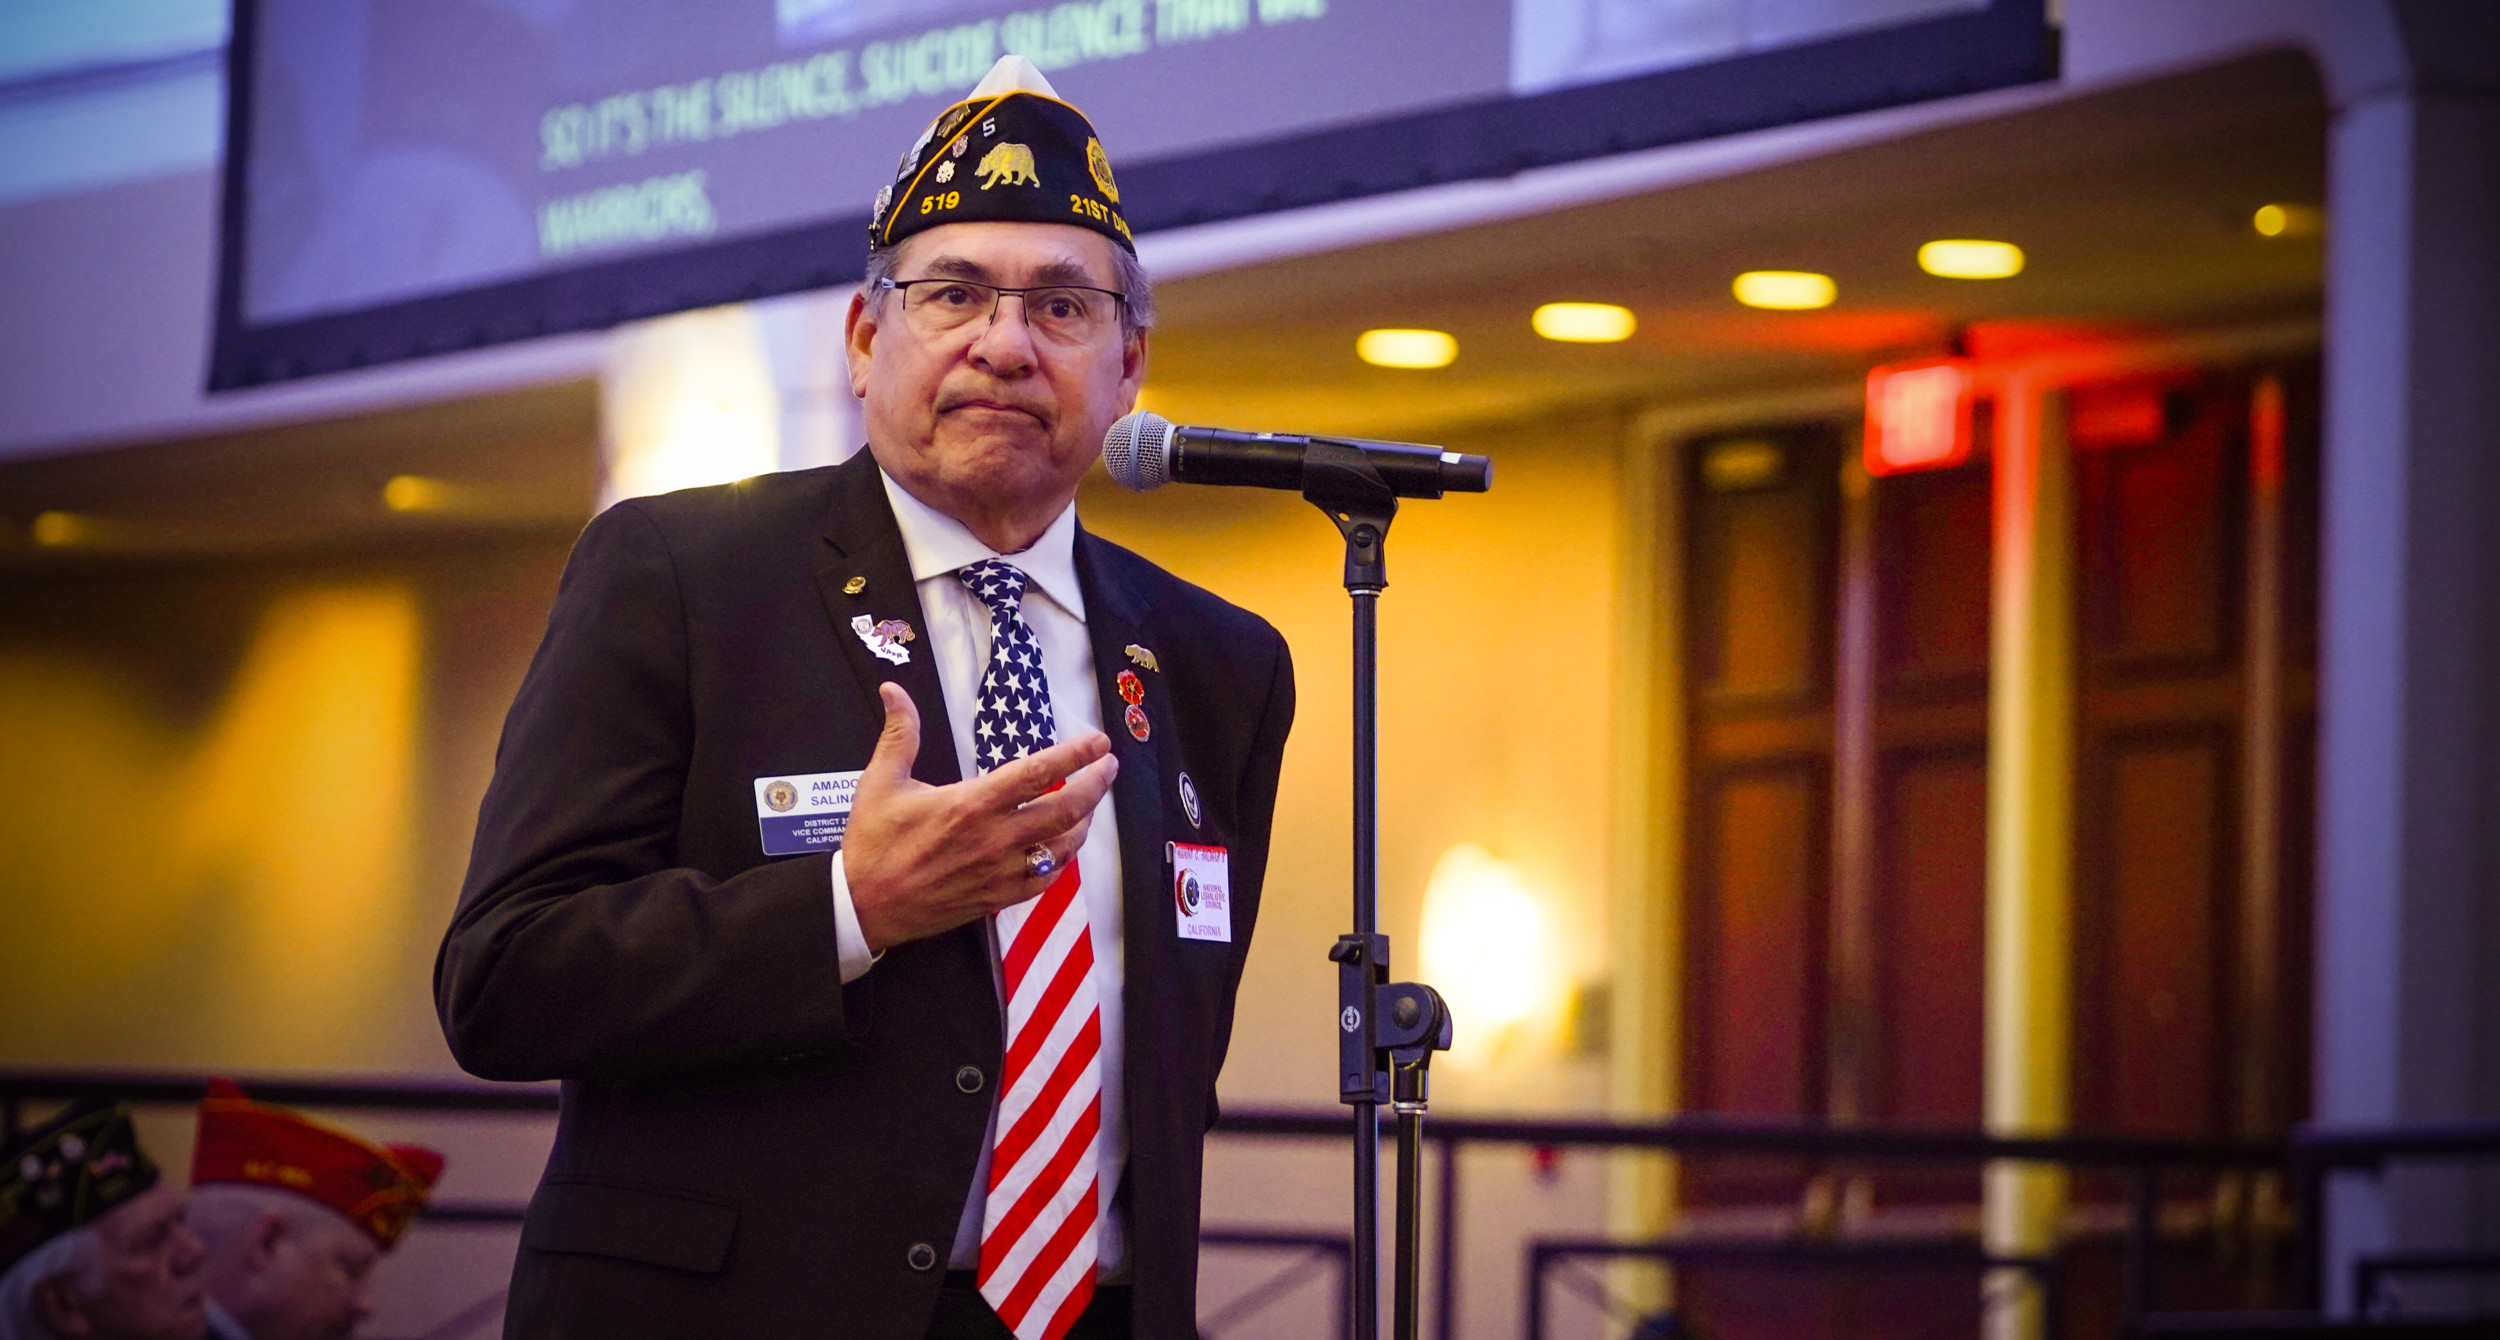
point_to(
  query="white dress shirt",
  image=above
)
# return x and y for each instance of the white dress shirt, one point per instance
(958, 637)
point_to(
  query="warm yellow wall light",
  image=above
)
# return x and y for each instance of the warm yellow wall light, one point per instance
(1970, 258)
(2280, 220)
(1407, 348)
(55, 530)
(1785, 290)
(415, 493)
(1583, 322)
(1484, 948)
(688, 400)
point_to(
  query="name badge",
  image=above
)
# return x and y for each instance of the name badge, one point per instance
(800, 814)
(1202, 894)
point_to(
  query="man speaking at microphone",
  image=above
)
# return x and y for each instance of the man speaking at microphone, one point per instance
(873, 852)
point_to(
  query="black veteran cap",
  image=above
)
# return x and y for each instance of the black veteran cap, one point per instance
(70, 1173)
(1012, 151)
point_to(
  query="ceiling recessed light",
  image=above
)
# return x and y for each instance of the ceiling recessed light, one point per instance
(2281, 220)
(1785, 290)
(1971, 258)
(1407, 348)
(1584, 322)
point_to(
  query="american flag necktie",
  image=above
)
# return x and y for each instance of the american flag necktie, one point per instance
(1038, 1221)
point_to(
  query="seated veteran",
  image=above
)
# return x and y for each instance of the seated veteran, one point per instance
(295, 1214)
(92, 1245)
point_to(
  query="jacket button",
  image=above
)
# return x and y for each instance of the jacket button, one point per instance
(968, 1079)
(922, 1256)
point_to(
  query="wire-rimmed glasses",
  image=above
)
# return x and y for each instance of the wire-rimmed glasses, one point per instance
(1064, 313)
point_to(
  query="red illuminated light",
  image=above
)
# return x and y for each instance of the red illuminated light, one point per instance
(1917, 417)
(2122, 415)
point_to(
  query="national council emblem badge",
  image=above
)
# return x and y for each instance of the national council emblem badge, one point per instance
(1099, 163)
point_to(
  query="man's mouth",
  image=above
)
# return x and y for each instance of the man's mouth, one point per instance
(983, 403)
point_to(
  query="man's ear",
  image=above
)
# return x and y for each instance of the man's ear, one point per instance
(60, 1308)
(859, 334)
(1133, 363)
(262, 1240)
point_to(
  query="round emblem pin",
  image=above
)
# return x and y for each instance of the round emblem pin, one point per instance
(1189, 800)
(1132, 689)
(1099, 163)
(1189, 894)
(1137, 725)
(781, 796)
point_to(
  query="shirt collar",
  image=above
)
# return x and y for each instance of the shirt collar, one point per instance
(222, 1325)
(937, 544)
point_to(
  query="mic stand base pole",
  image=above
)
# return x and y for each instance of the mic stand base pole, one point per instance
(1383, 1029)
(1409, 1286)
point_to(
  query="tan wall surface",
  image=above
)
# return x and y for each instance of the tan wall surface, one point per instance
(236, 798)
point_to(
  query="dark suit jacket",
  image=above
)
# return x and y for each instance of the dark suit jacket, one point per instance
(748, 1147)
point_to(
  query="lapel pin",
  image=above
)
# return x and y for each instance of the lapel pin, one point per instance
(1189, 800)
(885, 640)
(1132, 689)
(854, 586)
(1143, 657)
(1137, 725)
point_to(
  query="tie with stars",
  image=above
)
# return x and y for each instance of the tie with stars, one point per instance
(1038, 1220)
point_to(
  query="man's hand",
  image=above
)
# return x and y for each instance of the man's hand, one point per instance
(923, 859)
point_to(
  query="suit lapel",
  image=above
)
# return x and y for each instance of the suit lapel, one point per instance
(1115, 618)
(864, 550)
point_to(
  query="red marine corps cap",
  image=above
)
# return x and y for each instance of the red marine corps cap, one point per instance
(378, 1187)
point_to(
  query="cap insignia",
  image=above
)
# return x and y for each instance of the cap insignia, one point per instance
(1009, 163)
(1099, 163)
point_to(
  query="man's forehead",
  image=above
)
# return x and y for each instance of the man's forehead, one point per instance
(134, 1218)
(1008, 253)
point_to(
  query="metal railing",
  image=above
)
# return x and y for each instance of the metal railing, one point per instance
(2310, 1157)
(2143, 1160)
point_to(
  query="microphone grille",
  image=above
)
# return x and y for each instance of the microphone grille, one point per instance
(1138, 451)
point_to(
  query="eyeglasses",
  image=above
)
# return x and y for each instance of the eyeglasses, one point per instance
(1063, 313)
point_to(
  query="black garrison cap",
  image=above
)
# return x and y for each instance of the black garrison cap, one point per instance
(1012, 151)
(70, 1173)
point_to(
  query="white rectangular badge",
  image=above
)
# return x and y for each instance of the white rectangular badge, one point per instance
(1202, 892)
(800, 814)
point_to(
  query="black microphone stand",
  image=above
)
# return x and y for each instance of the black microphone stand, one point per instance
(1386, 1032)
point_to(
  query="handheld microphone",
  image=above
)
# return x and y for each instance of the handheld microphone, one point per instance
(1146, 451)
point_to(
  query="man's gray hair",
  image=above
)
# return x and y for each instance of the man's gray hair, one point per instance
(78, 1254)
(1127, 273)
(220, 1211)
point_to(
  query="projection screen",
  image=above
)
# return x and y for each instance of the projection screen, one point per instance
(406, 177)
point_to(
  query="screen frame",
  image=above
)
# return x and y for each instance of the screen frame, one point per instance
(2010, 42)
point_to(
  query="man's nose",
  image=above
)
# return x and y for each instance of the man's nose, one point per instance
(1006, 343)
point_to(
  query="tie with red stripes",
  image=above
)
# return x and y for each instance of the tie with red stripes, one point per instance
(1038, 1223)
